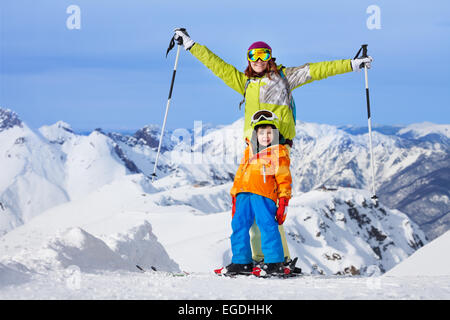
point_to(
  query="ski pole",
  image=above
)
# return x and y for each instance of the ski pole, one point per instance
(171, 45)
(372, 166)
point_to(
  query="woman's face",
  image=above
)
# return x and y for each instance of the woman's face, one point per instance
(259, 66)
(264, 136)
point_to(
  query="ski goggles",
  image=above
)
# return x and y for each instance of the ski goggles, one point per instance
(260, 53)
(263, 115)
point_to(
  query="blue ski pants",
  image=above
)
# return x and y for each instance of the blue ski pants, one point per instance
(251, 207)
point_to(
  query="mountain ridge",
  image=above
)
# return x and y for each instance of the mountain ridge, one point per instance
(323, 155)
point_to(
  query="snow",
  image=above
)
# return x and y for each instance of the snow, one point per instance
(70, 166)
(88, 249)
(77, 247)
(431, 260)
(335, 231)
(59, 132)
(10, 276)
(72, 284)
(76, 219)
(32, 164)
(418, 130)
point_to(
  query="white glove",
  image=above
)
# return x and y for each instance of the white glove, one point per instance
(358, 63)
(182, 33)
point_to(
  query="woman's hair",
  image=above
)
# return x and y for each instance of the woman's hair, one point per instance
(271, 67)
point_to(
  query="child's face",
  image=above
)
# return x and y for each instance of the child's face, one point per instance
(264, 136)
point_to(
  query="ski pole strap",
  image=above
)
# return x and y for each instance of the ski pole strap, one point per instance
(171, 45)
(357, 54)
(172, 42)
(364, 52)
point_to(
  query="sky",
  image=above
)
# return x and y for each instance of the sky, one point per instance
(112, 72)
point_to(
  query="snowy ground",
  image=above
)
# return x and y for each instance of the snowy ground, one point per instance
(131, 285)
(185, 246)
(87, 249)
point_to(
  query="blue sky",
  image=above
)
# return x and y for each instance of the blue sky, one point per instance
(112, 73)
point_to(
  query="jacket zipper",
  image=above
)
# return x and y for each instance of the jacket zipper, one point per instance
(264, 173)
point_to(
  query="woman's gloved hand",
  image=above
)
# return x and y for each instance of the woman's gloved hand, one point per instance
(181, 33)
(358, 63)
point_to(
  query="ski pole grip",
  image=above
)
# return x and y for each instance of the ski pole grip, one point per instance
(364, 50)
(180, 40)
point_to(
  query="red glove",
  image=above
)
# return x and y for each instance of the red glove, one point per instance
(281, 212)
(233, 210)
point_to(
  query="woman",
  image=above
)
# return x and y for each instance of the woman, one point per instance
(268, 86)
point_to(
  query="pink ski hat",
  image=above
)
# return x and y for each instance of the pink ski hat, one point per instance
(259, 45)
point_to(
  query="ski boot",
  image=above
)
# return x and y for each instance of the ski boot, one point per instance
(290, 264)
(271, 269)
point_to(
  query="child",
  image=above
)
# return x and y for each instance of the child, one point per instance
(262, 179)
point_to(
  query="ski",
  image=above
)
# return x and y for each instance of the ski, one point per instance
(167, 273)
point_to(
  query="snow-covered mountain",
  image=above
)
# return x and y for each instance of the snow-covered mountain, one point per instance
(32, 173)
(43, 169)
(85, 203)
(344, 232)
(431, 260)
(412, 164)
(100, 231)
(420, 185)
(125, 223)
